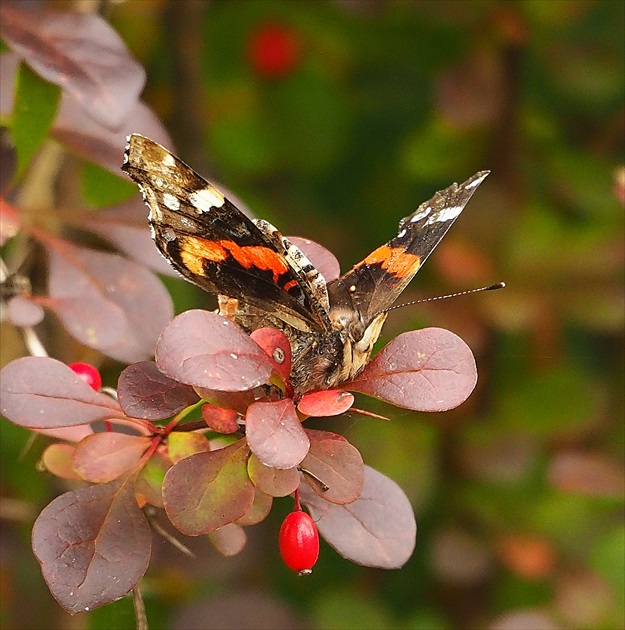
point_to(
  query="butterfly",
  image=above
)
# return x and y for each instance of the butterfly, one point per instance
(263, 279)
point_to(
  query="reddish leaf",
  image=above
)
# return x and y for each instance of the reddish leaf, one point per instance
(206, 350)
(376, 530)
(145, 392)
(93, 544)
(272, 481)
(235, 401)
(220, 419)
(425, 370)
(329, 402)
(275, 434)
(39, 392)
(106, 301)
(102, 457)
(229, 540)
(259, 510)
(206, 491)
(23, 311)
(336, 464)
(98, 143)
(57, 459)
(323, 259)
(181, 445)
(277, 347)
(69, 434)
(81, 53)
(124, 225)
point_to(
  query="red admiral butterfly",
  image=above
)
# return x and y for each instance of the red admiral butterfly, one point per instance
(262, 279)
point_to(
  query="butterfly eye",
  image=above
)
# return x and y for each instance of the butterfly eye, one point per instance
(356, 329)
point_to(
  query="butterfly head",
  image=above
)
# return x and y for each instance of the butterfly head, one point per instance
(357, 337)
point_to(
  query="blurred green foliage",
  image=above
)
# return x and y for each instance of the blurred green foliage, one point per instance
(382, 104)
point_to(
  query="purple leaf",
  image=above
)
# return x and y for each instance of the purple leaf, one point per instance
(275, 434)
(96, 142)
(106, 301)
(206, 491)
(206, 350)
(39, 392)
(336, 464)
(259, 510)
(68, 434)
(323, 259)
(9, 63)
(425, 370)
(272, 481)
(82, 54)
(93, 545)
(229, 540)
(126, 226)
(23, 311)
(376, 530)
(145, 392)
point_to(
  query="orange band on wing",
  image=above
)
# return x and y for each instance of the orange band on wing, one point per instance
(395, 260)
(194, 251)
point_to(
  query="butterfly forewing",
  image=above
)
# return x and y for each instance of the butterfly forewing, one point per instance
(210, 241)
(376, 282)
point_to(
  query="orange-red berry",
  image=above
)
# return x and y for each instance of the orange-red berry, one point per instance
(299, 542)
(87, 373)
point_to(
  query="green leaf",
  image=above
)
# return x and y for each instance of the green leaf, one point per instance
(36, 104)
(102, 188)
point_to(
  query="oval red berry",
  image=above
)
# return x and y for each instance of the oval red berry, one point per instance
(87, 373)
(299, 542)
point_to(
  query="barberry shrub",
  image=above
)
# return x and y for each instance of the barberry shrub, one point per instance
(211, 433)
(208, 433)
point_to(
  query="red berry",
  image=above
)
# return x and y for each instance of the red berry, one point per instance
(274, 50)
(299, 542)
(87, 373)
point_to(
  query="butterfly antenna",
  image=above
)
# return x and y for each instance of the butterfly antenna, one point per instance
(490, 287)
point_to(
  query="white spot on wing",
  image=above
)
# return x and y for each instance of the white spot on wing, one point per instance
(205, 199)
(168, 160)
(477, 181)
(421, 215)
(171, 202)
(446, 214)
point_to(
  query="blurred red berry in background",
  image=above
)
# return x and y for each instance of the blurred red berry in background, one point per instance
(274, 50)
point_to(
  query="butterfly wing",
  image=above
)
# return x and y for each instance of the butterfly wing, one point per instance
(208, 240)
(376, 282)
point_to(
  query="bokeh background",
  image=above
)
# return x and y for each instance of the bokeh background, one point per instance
(333, 120)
